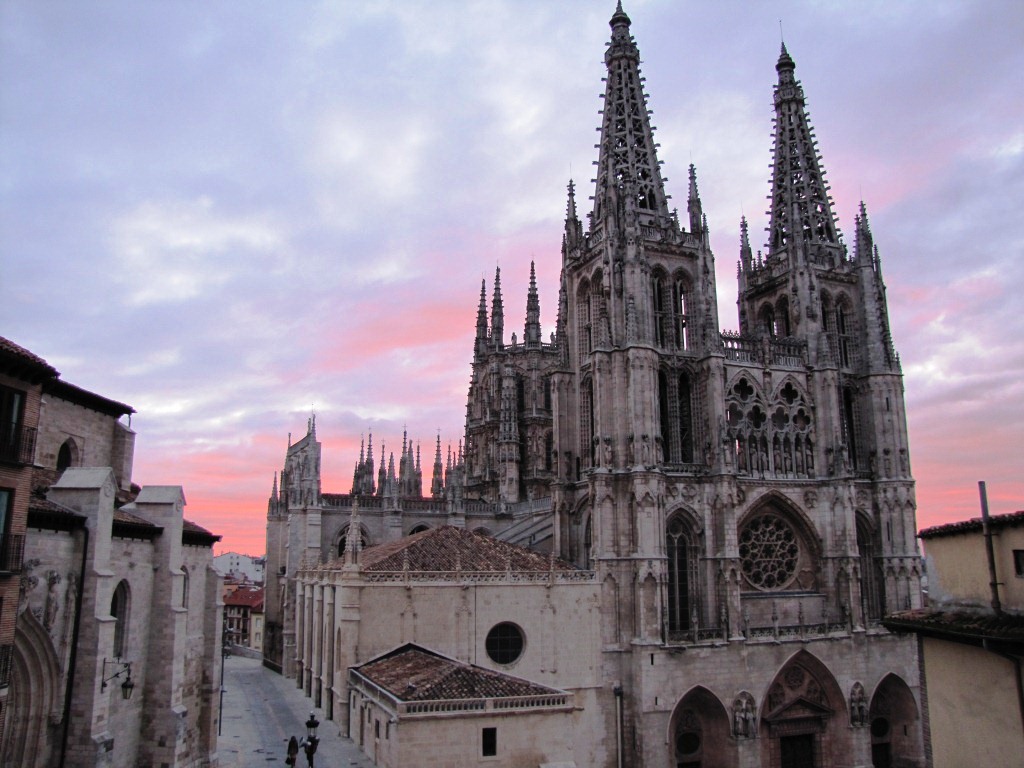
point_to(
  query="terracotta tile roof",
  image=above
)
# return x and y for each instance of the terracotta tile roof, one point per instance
(18, 358)
(128, 518)
(196, 535)
(960, 624)
(246, 598)
(447, 548)
(412, 673)
(79, 396)
(974, 524)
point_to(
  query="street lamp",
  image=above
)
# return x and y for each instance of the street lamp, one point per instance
(312, 741)
(125, 669)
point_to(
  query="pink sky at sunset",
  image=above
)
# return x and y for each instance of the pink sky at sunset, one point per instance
(232, 215)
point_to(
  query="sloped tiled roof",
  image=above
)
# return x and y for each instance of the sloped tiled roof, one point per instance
(246, 598)
(447, 548)
(965, 625)
(972, 525)
(195, 535)
(74, 394)
(18, 361)
(412, 673)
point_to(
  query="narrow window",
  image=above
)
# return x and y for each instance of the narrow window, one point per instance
(1018, 562)
(489, 745)
(119, 607)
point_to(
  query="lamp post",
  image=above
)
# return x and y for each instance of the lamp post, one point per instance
(312, 741)
(125, 669)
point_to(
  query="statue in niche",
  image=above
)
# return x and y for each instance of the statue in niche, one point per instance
(52, 599)
(858, 706)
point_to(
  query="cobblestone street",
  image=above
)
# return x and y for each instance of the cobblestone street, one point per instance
(262, 710)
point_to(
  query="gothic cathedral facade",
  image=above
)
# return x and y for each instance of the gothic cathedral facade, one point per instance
(743, 499)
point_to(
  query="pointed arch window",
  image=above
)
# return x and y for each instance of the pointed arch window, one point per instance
(587, 424)
(844, 336)
(675, 400)
(682, 593)
(120, 606)
(871, 581)
(584, 321)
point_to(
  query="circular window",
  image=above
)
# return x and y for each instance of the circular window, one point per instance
(769, 552)
(879, 727)
(504, 643)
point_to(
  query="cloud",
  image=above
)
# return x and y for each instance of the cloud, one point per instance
(176, 251)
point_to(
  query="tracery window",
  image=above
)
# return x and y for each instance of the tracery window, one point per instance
(675, 400)
(769, 552)
(584, 321)
(587, 424)
(671, 301)
(683, 601)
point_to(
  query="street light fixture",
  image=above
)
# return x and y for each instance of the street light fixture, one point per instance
(312, 741)
(125, 669)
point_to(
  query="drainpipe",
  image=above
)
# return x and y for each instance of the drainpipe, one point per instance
(989, 553)
(617, 690)
(69, 686)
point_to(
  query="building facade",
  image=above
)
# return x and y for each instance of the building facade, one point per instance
(742, 502)
(22, 375)
(116, 652)
(972, 641)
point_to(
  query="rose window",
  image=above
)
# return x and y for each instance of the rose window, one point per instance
(769, 552)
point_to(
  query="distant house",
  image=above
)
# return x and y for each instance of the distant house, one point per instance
(243, 616)
(236, 567)
(971, 651)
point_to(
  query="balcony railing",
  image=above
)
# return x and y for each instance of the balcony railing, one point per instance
(12, 552)
(6, 657)
(17, 443)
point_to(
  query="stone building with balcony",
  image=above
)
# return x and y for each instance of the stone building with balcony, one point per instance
(115, 613)
(740, 503)
(22, 376)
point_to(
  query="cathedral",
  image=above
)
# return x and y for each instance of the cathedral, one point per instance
(683, 538)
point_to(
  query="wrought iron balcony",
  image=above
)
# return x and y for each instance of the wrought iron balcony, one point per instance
(12, 552)
(17, 443)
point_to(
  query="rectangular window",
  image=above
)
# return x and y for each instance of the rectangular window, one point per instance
(5, 504)
(1018, 562)
(489, 746)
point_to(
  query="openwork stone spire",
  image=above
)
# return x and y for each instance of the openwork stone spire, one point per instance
(532, 331)
(629, 183)
(497, 313)
(801, 206)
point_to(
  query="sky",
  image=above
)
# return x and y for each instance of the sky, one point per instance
(231, 215)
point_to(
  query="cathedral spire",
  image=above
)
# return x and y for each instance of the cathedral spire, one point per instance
(693, 203)
(801, 206)
(481, 320)
(497, 313)
(437, 479)
(531, 335)
(630, 189)
(573, 231)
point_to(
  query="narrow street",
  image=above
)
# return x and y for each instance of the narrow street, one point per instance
(262, 710)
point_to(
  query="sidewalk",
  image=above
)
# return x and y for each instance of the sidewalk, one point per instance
(262, 710)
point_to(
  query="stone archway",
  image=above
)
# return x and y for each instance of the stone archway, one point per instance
(895, 725)
(35, 697)
(803, 717)
(699, 733)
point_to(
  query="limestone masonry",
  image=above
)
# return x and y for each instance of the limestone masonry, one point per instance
(685, 537)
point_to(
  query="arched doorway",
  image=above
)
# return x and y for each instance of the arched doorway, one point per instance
(699, 735)
(34, 698)
(895, 729)
(803, 716)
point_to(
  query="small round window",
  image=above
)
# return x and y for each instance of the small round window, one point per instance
(504, 643)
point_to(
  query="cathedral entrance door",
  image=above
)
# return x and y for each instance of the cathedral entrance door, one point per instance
(797, 751)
